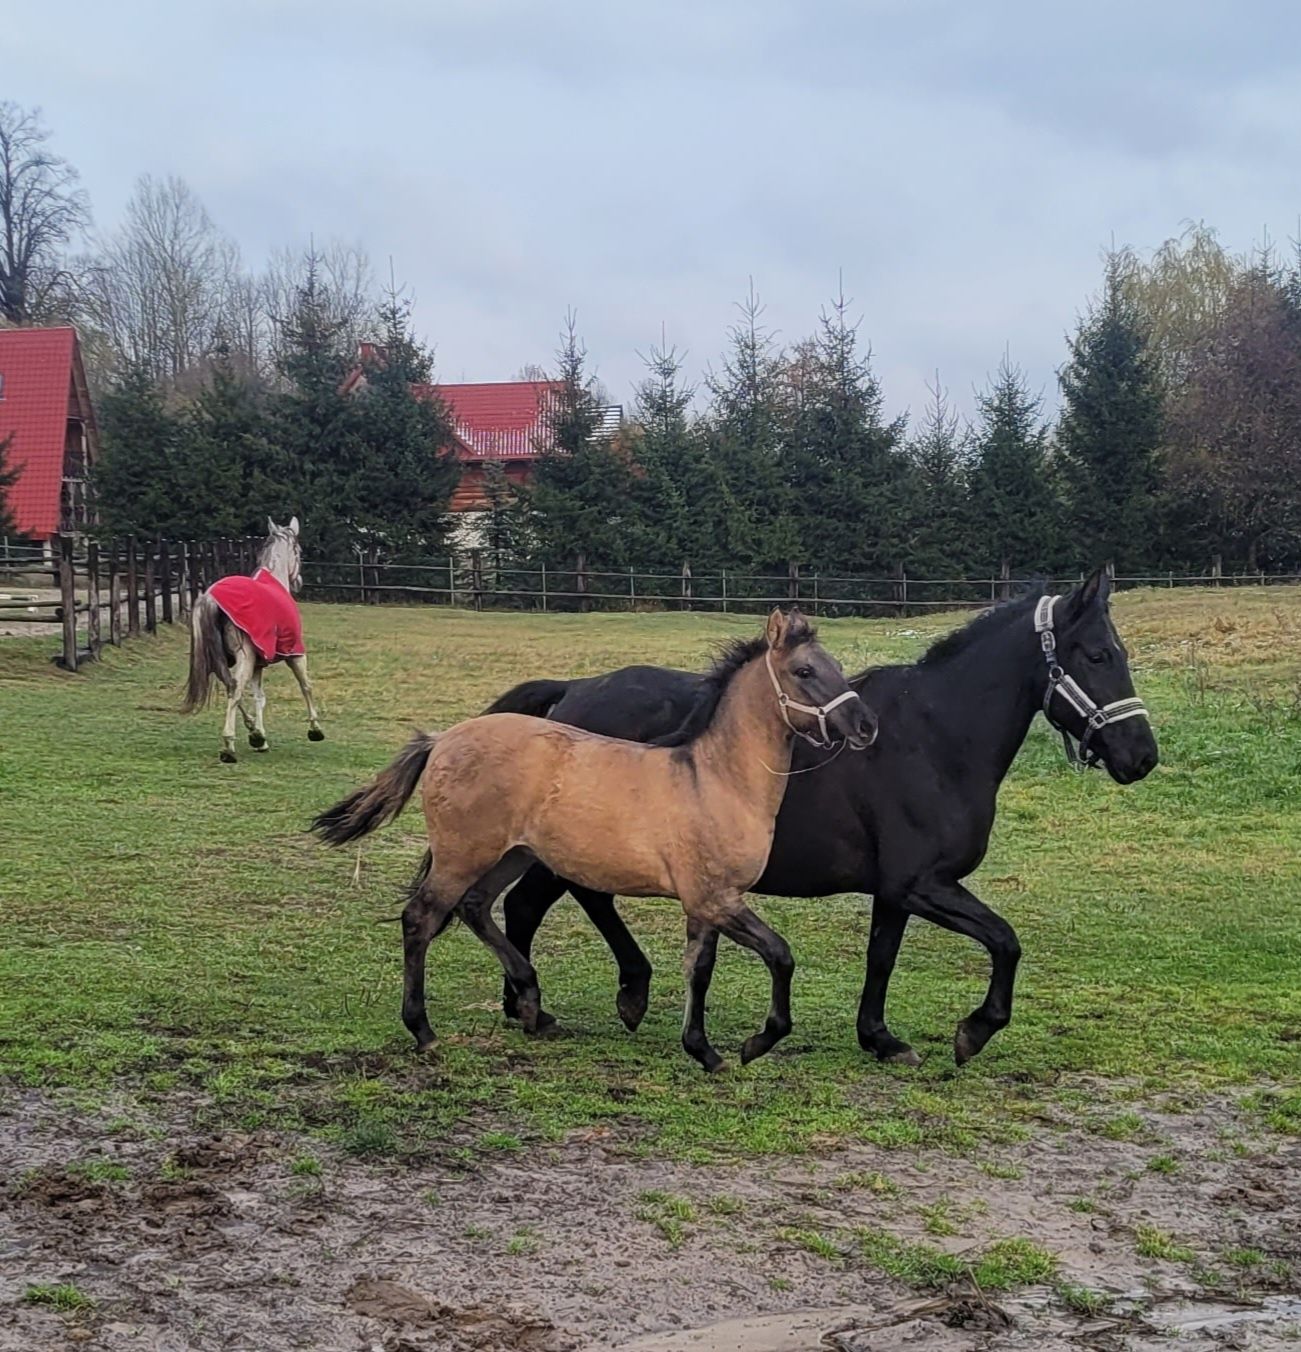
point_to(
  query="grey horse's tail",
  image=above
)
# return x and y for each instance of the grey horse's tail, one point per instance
(207, 655)
(368, 808)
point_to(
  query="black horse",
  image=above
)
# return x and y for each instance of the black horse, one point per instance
(907, 820)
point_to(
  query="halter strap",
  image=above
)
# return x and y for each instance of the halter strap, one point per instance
(784, 702)
(1096, 716)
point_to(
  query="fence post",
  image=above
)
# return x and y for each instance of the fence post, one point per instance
(151, 597)
(165, 575)
(93, 642)
(1217, 570)
(815, 595)
(451, 580)
(544, 586)
(476, 578)
(132, 590)
(686, 584)
(1004, 580)
(68, 595)
(900, 589)
(114, 597)
(580, 582)
(793, 580)
(632, 590)
(724, 591)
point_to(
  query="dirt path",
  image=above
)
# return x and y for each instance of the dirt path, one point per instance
(199, 1242)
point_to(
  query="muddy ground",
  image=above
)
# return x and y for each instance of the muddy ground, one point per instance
(191, 1241)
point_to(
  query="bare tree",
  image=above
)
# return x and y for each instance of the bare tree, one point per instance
(346, 281)
(160, 288)
(42, 207)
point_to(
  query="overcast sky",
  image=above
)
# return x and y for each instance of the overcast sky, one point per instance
(963, 163)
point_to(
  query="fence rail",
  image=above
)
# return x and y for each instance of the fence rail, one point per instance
(105, 591)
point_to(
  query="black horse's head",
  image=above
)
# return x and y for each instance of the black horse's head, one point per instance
(1090, 652)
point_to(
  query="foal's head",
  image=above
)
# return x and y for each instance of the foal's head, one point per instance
(809, 684)
(282, 554)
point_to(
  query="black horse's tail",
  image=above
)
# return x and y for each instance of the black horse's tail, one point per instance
(381, 800)
(530, 697)
(207, 654)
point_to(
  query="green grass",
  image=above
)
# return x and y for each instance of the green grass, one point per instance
(172, 932)
(100, 1171)
(1150, 1242)
(64, 1297)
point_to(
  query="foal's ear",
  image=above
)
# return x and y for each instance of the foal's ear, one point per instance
(776, 629)
(1093, 591)
(293, 525)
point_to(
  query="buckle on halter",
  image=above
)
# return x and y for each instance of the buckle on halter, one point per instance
(1098, 720)
(1048, 641)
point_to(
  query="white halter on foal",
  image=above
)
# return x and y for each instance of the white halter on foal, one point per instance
(1096, 716)
(785, 702)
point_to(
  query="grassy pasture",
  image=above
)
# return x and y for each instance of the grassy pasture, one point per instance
(171, 933)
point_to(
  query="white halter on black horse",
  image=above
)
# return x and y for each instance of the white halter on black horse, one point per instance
(240, 626)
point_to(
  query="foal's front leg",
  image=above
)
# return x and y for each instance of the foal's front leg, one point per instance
(746, 929)
(298, 665)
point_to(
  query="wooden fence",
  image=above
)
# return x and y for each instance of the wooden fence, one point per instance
(109, 591)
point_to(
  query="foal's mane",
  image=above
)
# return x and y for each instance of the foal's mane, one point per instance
(731, 658)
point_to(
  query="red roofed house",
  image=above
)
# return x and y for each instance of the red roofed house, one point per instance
(507, 421)
(46, 414)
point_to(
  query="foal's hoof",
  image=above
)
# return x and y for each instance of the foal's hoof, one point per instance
(227, 757)
(426, 1046)
(257, 741)
(315, 735)
(710, 1062)
(755, 1047)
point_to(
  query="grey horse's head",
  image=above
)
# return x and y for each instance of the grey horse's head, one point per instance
(283, 554)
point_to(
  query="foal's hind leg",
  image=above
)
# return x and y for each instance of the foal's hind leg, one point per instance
(424, 917)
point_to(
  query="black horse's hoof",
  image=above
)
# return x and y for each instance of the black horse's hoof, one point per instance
(257, 741)
(544, 1024)
(711, 1062)
(315, 735)
(905, 1056)
(970, 1039)
(228, 757)
(631, 1005)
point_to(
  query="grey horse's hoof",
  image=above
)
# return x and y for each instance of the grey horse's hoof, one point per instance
(227, 757)
(257, 741)
(315, 735)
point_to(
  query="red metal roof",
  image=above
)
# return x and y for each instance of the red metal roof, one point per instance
(37, 367)
(498, 420)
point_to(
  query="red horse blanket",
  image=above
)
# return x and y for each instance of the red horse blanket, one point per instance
(263, 608)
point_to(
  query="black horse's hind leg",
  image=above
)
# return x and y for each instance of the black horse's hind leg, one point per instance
(888, 923)
(952, 906)
(702, 949)
(525, 907)
(746, 929)
(475, 908)
(634, 966)
(528, 903)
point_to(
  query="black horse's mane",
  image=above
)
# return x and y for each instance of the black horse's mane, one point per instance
(729, 661)
(957, 641)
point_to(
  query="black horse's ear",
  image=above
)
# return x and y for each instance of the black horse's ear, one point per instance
(1093, 591)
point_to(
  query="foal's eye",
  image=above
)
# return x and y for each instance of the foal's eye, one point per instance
(804, 673)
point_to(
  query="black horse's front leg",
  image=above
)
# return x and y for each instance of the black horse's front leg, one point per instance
(952, 906)
(525, 907)
(634, 966)
(888, 923)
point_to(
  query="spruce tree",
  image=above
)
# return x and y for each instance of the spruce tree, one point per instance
(1109, 434)
(746, 434)
(583, 493)
(942, 537)
(137, 479)
(505, 534)
(8, 477)
(1012, 503)
(848, 482)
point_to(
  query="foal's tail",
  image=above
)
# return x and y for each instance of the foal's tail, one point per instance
(207, 654)
(530, 697)
(368, 808)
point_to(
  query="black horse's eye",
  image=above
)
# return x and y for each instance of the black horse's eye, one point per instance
(1099, 658)
(804, 673)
